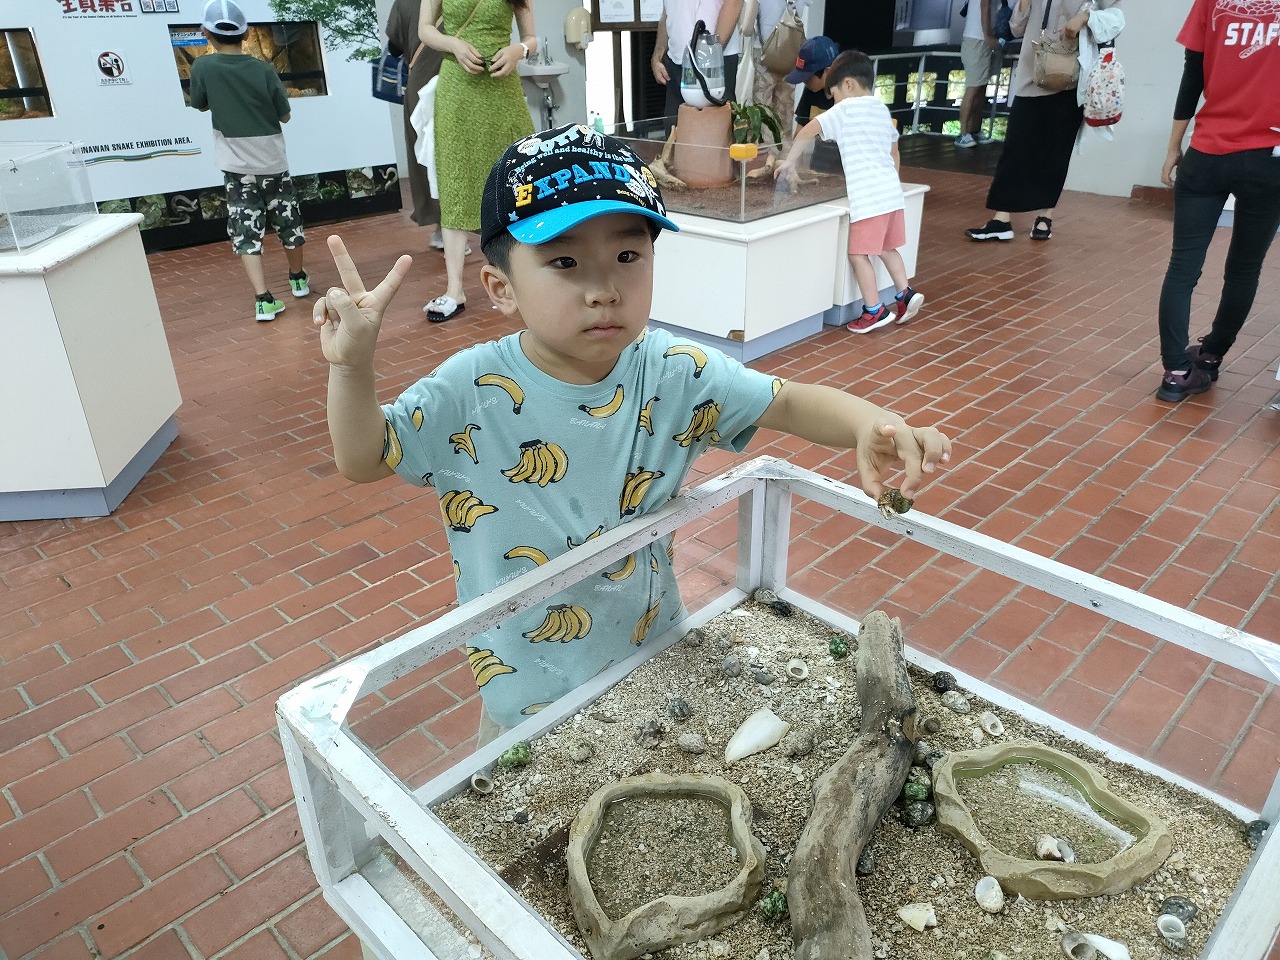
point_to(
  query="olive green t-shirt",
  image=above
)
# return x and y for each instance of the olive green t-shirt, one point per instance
(246, 100)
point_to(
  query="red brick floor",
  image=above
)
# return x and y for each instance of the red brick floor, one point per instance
(146, 812)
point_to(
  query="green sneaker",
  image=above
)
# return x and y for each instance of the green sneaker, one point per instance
(267, 309)
(298, 284)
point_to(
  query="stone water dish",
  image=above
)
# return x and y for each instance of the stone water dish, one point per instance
(669, 920)
(1045, 879)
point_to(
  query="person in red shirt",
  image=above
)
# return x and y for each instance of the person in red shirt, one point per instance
(1233, 58)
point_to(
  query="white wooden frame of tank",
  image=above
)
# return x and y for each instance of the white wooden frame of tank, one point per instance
(352, 807)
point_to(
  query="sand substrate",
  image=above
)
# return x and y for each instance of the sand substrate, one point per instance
(521, 828)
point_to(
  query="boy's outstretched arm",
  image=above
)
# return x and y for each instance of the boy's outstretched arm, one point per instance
(833, 418)
(349, 320)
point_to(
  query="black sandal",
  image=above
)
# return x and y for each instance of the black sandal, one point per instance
(1043, 229)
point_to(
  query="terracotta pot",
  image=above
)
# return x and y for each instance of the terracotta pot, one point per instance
(702, 146)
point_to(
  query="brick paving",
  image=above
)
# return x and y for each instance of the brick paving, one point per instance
(146, 813)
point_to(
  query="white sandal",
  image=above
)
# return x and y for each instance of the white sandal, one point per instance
(443, 308)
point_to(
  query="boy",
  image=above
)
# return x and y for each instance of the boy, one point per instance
(247, 102)
(547, 438)
(860, 124)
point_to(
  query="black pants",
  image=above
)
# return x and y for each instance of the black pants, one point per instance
(1200, 192)
(673, 101)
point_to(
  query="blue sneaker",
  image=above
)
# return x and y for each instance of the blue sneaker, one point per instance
(965, 141)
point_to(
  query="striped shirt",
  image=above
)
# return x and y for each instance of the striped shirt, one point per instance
(865, 134)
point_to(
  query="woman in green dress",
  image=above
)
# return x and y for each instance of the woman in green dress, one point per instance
(480, 110)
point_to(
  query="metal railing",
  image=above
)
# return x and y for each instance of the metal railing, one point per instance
(909, 86)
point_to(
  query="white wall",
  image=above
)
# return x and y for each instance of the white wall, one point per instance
(1152, 60)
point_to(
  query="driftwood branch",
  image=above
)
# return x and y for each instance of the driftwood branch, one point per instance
(827, 918)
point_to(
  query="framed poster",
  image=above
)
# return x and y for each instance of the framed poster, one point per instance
(625, 14)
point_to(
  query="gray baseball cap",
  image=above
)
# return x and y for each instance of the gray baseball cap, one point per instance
(224, 18)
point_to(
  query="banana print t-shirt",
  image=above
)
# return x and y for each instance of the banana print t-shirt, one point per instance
(528, 467)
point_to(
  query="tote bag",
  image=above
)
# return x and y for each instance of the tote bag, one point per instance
(390, 77)
(783, 46)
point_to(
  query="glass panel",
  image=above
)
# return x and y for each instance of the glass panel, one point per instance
(44, 191)
(292, 48)
(22, 87)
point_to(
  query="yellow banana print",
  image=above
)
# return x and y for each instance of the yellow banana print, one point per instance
(627, 569)
(646, 416)
(526, 553)
(653, 562)
(645, 622)
(462, 442)
(392, 452)
(533, 708)
(457, 571)
(609, 409)
(634, 489)
(512, 389)
(417, 418)
(644, 332)
(590, 536)
(689, 350)
(540, 462)
(486, 666)
(777, 385)
(702, 423)
(563, 622)
(462, 509)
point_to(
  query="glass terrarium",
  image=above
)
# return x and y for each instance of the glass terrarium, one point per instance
(293, 48)
(721, 187)
(44, 191)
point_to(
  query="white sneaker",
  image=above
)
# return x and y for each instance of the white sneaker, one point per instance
(965, 140)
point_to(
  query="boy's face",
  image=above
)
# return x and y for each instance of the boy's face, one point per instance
(584, 296)
(817, 83)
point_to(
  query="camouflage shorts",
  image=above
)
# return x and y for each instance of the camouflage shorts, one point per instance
(253, 202)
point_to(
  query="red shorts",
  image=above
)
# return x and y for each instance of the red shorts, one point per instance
(875, 235)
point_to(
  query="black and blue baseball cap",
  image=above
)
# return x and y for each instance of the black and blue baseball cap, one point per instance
(552, 181)
(816, 54)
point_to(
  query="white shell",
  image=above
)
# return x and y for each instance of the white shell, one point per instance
(1047, 848)
(978, 735)
(481, 783)
(1075, 946)
(1110, 949)
(990, 723)
(797, 669)
(989, 895)
(1172, 931)
(918, 916)
(760, 731)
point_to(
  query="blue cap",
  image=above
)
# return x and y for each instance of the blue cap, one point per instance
(816, 54)
(552, 181)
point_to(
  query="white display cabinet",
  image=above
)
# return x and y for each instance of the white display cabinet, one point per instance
(412, 890)
(88, 396)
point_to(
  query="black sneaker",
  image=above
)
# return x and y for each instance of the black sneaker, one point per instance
(992, 230)
(1179, 386)
(1201, 359)
(1042, 229)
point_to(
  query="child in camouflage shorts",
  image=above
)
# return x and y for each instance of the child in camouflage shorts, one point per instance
(248, 104)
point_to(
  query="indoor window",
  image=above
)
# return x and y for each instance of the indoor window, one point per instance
(22, 88)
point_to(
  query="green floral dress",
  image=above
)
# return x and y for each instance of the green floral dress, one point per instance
(476, 116)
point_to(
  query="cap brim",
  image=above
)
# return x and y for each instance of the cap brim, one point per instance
(547, 226)
(798, 76)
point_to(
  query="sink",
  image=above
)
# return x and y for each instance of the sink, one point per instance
(541, 73)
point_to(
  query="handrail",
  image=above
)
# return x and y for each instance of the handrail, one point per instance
(1008, 58)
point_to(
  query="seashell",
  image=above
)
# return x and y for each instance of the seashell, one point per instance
(955, 700)
(762, 677)
(692, 743)
(482, 783)
(933, 757)
(760, 731)
(765, 596)
(866, 864)
(1172, 931)
(1068, 852)
(919, 752)
(1048, 848)
(579, 750)
(797, 744)
(917, 813)
(797, 669)
(1180, 907)
(1254, 832)
(649, 734)
(1077, 947)
(990, 724)
(678, 708)
(931, 725)
(695, 637)
(977, 735)
(989, 895)
(943, 681)
(918, 916)
(730, 666)
(1107, 948)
